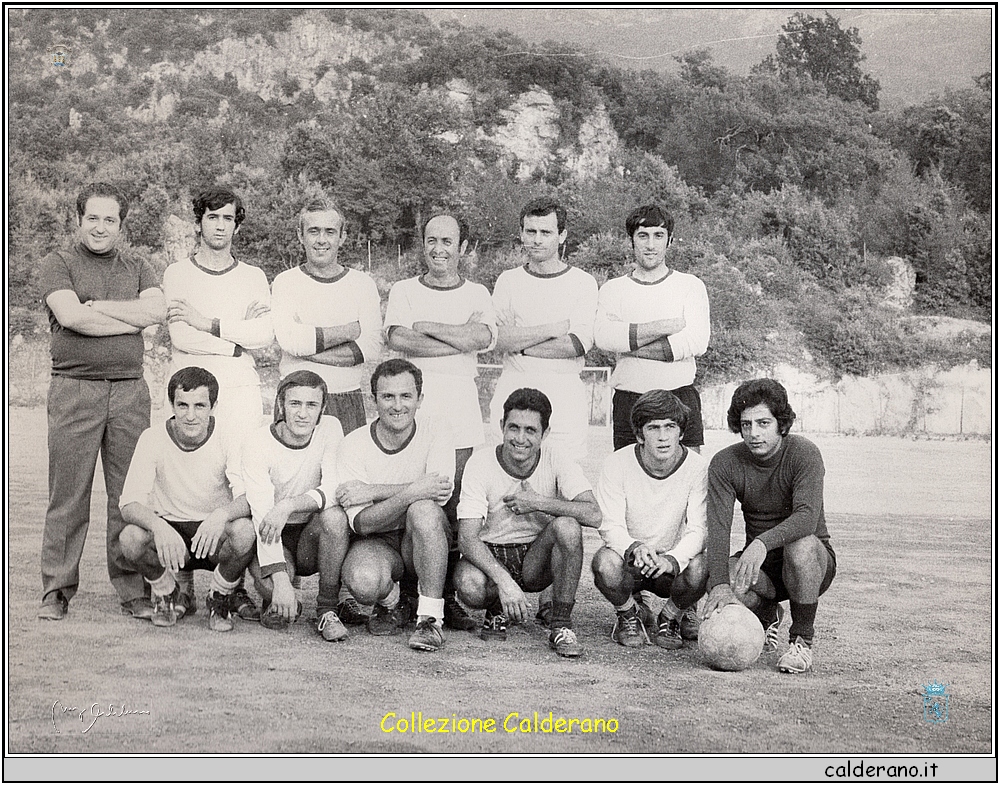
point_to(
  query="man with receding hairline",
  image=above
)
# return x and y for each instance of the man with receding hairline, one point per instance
(440, 321)
(99, 301)
(327, 317)
(328, 320)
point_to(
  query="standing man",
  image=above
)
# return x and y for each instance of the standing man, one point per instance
(519, 524)
(652, 496)
(328, 317)
(545, 313)
(99, 301)
(300, 530)
(657, 319)
(217, 308)
(440, 321)
(183, 500)
(328, 320)
(397, 477)
(777, 478)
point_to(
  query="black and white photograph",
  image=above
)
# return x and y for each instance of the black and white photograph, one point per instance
(582, 386)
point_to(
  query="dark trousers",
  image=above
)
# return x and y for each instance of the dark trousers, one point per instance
(86, 417)
(621, 411)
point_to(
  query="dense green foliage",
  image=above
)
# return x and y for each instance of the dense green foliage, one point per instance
(790, 189)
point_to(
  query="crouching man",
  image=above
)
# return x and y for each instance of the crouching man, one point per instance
(652, 496)
(184, 506)
(298, 532)
(399, 474)
(520, 515)
(777, 477)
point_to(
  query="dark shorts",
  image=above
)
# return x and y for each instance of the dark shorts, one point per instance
(290, 537)
(394, 538)
(774, 563)
(621, 411)
(348, 407)
(187, 530)
(511, 558)
(658, 586)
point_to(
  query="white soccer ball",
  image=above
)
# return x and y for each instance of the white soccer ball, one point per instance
(731, 639)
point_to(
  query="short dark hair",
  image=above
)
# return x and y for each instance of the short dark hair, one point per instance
(463, 227)
(649, 215)
(322, 204)
(542, 207)
(396, 367)
(216, 198)
(191, 378)
(530, 400)
(295, 379)
(101, 191)
(658, 405)
(758, 391)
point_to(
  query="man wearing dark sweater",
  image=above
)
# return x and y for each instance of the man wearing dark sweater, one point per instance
(778, 480)
(99, 301)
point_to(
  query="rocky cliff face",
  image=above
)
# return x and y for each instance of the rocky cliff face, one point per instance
(530, 138)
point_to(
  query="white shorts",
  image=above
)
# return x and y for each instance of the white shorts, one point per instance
(453, 402)
(570, 421)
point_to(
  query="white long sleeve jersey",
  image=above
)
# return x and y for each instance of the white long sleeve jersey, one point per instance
(223, 296)
(625, 302)
(664, 513)
(273, 470)
(301, 303)
(526, 299)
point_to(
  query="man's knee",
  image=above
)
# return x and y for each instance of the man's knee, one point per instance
(134, 541)
(804, 558)
(568, 534)
(696, 572)
(805, 553)
(240, 536)
(333, 523)
(608, 568)
(471, 584)
(426, 518)
(368, 577)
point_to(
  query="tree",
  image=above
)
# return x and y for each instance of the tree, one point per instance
(698, 70)
(828, 54)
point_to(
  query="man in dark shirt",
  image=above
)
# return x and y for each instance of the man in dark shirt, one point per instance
(778, 480)
(98, 302)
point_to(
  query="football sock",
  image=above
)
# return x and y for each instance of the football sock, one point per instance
(767, 612)
(561, 613)
(220, 585)
(803, 621)
(409, 587)
(345, 594)
(627, 607)
(391, 600)
(185, 579)
(670, 610)
(453, 558)
(163, 585)
(326, 603)
(431, 606)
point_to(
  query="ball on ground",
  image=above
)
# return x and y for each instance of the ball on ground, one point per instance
(731, 639)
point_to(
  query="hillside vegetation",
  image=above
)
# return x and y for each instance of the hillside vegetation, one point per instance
(791, 188)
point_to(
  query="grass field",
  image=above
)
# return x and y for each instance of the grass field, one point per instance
(912, 603)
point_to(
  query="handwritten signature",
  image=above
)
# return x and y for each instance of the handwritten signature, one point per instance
(92, 713)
